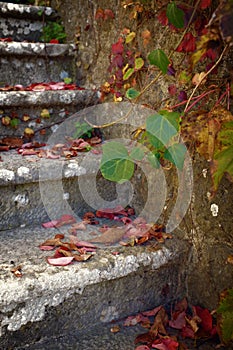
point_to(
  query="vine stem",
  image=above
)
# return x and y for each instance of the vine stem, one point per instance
(205, 76)
(153, 80)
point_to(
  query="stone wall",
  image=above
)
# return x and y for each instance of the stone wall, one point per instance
(208, 222)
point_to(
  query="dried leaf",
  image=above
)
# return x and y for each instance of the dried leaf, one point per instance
(111, 236)
(63, 261)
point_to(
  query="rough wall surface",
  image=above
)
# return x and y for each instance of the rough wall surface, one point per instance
(208, 223)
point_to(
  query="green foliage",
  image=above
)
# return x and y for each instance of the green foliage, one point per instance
(116, 164)
(157, 143)
(175, 15)
(53, 30)
(225, 314)
(131, 93)
(83, 130)
(159, 58)
(223, 157)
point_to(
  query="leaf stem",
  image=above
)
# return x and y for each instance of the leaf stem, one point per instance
(205, 76)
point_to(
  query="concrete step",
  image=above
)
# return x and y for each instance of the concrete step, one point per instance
(59, 103)
(26, 63)
(50, 301)
(24, 22)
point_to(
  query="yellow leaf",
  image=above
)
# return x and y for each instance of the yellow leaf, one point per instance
(45, 113)
(28, 132)
(130, 37)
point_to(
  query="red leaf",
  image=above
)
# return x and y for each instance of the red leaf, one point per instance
(118, 47)
(65, 220)
(165, 344)
(178, 320)
(204, 4)
(206, 318)
(142, 347)
(187, 332)
(46, 247)
(99, 14)
(162, 18)
(152, 312)
(188, 44)
(63, 261)
(108, 14)
(54, 41)
(50, 224)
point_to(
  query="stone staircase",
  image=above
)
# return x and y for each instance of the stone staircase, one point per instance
(49, 301)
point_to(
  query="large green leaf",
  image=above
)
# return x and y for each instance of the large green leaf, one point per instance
(223, 163)
(176, 154)
(175, 15)
(153, 160)
(137, 153)
(116, 164)
(172, 117)
(160, 130)
(159, 58)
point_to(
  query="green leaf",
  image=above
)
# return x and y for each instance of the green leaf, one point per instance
(159, 58)
(132, 93)
(176, 154)
(14, 122)
(139, 63)
(67, 80)
(175, 15)
(137, 153)
(225, 310)
(172, 117)
(160, 130)
(153, 160)
(223, 163)
(128, 73)
(116, 164)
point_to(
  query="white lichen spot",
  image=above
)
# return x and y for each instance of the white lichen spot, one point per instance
(214, 209)
(208, 195)
(23, 171)
(73, 169)
(204, 173)
(66, 196)
(7, 175)
(21, 199)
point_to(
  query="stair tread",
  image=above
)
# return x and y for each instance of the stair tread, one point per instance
(18, 169)
(49, 97)
(46, 285)
(36, 49)
(26, 11)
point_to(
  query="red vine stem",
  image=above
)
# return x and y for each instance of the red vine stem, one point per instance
(205, 76)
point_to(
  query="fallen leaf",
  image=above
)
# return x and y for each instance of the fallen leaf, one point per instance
(111, 236)
(17, 271)
(115, 329)
(63, 261)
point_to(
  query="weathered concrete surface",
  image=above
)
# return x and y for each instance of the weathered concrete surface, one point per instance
(27, 63)
(60, 104)
(22, 22)
(54, 300)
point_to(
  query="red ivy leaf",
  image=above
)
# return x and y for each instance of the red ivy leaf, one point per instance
(118, 47)
(162, 18)
(206, 318)
(188, 44)
(54, 41)
(108, 14)
(204, 4)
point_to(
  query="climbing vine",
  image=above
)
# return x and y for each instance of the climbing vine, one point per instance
(198, 102)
